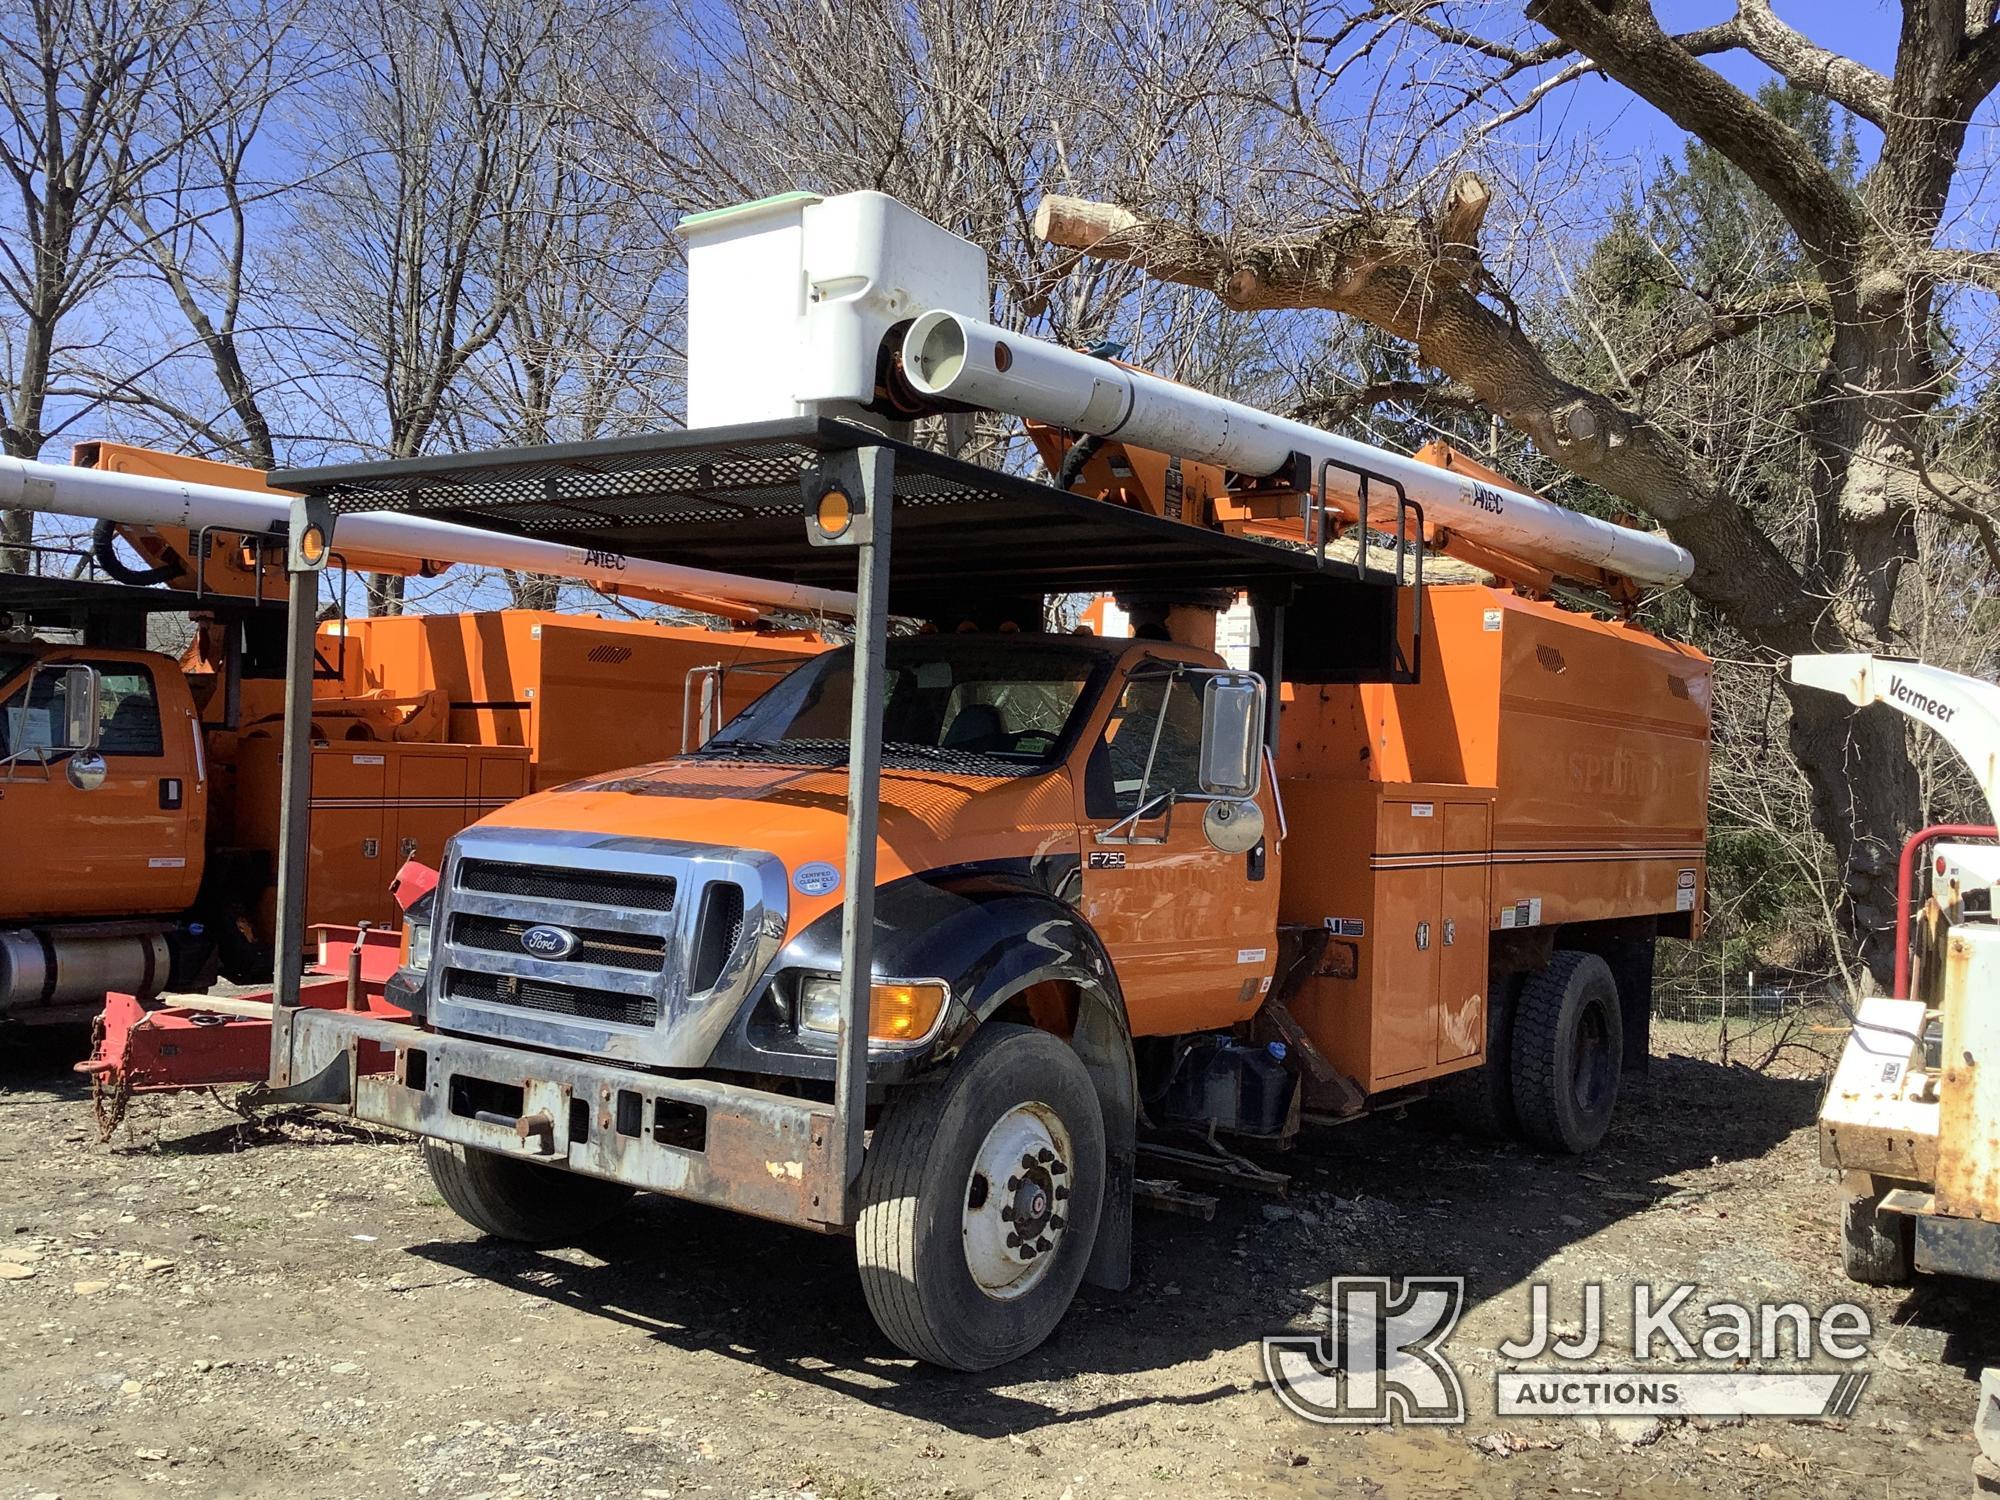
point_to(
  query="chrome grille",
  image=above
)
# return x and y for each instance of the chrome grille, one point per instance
(554, 999)
(669, 938)
(643, 953)
(599, 888)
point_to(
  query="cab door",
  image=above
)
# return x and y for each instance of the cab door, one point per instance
(1191, 929)
(123, 846)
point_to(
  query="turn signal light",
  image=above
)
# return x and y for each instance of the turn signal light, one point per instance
(901, 1011)
(904, 1012)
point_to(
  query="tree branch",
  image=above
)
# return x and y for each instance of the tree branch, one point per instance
(1625, 40)
(1392, 273)
(1852, 85)
(1722, 325)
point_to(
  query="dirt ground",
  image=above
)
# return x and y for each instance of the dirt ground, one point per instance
(208, 1308)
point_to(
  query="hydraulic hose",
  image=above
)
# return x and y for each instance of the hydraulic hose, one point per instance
(104, 547)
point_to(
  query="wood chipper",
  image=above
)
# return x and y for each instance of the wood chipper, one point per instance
(932, 942)
(1911, 1117)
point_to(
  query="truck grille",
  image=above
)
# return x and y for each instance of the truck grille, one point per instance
(642, 953)
(553, 999)
(597, 887)
(667, 940)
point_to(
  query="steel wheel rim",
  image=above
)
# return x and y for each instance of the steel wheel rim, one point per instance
(1590, 1079)
(1014, 1217)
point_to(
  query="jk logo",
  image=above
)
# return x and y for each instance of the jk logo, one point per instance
(1379, 1360)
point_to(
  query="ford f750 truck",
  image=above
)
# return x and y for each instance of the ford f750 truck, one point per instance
(926, 943)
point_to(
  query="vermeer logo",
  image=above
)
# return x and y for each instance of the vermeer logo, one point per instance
(1937, 708)
(1380, 1358)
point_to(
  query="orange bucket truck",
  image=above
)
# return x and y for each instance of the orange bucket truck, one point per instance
(933, 940)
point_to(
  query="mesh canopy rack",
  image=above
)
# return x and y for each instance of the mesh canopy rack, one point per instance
(729, 499)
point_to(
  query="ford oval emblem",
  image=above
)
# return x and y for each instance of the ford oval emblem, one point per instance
(549, 942)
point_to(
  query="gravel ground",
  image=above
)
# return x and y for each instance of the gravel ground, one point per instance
(212, 1307)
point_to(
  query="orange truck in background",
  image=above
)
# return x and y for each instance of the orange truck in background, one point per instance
(148, 874)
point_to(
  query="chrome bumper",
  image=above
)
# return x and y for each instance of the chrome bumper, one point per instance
(757, 1153)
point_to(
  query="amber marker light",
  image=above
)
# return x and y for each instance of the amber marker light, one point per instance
(834, 513)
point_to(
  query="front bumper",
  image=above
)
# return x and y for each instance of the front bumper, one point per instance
(722, 1144)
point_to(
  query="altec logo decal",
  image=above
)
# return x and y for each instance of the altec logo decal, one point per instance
(1486, 499)
(1937, 708)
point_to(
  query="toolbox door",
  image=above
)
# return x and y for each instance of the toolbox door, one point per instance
(1464, 876)
(1407, 938)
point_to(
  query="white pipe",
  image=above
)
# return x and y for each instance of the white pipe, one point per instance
(959, 359)
(142, 500)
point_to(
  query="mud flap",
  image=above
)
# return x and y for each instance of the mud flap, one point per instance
(1110, 1266)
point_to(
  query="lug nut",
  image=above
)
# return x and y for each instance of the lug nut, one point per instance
(1013, 1184)
(1061, 1193)
(1027, 1252)
(1055, 1221)
(1027, 1160)
(1045, 1155)
(1042, 1244)
(1013, 1240)
(1007, 1212)
(1057, 1169)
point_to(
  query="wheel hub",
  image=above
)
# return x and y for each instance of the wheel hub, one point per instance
(1014, 1200)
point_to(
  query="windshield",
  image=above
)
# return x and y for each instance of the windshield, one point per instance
(983, 705)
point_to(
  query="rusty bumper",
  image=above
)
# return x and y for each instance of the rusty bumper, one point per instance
(733, 1147)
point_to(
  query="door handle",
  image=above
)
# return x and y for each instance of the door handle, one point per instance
(1423, 937)
(1450, 932)
(170, 793)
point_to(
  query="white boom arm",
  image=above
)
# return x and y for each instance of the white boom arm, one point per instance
(957, 358)
(1964, 710)
(142, 500)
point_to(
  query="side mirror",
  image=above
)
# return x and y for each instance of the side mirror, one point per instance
(80, 707)
(1232, 734)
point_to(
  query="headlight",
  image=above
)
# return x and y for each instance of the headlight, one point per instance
(417, 934)
(898, 1010)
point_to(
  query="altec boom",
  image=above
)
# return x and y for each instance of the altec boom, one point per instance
(947, 356)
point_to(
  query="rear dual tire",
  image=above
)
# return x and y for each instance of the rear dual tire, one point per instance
(1567, 1053)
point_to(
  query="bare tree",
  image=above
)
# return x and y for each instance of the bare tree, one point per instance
(81, 130)
(969, 112)
(194, 228)
(422, 221)
(1403, 254)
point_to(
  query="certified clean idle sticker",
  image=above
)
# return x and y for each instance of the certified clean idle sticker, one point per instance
(816, 879)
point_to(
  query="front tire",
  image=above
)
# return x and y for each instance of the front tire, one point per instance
(980, 1200)
(1568, 1053)
(512, 1199)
